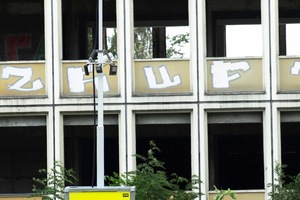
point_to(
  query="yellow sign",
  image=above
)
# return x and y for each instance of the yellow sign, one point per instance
(112, 195)
(104, 193)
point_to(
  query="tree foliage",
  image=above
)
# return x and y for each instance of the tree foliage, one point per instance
(151, 181)
(143, 44)
(113, 44)
(221, 194)
(177, 43)
(52, 185)
(282, 190)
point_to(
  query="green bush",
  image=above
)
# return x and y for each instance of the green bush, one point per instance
(151, 181)
(282, 190)
(220, 194)
(53, 184)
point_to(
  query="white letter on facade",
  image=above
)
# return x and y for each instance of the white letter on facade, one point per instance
(219, 71)
(77, 82)
(166, 80)
(295, 68)
(26, 76)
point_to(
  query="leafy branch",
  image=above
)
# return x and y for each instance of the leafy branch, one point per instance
(52, 185)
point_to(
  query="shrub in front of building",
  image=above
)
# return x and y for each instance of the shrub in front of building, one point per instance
(151, 180)
(282, 189)
(52, 185)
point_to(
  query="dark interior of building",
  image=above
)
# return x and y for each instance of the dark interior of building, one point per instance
(290, 148)
(79, 152)
(22, 154)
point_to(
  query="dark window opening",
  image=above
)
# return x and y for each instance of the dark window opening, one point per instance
(290, 148)
(79, 151)
(80, 27)
(22, 154)
(22, 30)
(236, 156)
(174, 142)
(161, 29)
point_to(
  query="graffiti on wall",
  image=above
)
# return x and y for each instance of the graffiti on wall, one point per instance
(77, 82)
(225, 72)
(22, 79)
(234, 75)
(159, 77)
(24, 75)
(149, 77)
(289, 74)
(167, 80)
(295, 68)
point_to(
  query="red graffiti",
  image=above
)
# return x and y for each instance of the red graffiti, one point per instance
(14, 42)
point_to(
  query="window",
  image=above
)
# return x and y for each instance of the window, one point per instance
(290, 138)
(79, 146)
(225, 23)
(171, 133)
(80, 28)
(243, 40)
(22, 152)
(235, 147)
(22, 30)
(289, 23)
(164, 34)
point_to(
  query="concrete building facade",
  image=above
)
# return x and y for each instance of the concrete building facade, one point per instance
(227, 111)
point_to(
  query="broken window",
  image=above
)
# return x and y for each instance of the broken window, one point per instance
(80, 28)
(172, 134)
(243, 40)
(22, 30)
(289, 27)
(235, 151)
(161, 29)
(80, 144)
(230, 25)
(22, 152)
(290, 138)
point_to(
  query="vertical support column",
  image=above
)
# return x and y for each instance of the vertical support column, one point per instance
(275, 151)
(268, 146)
(122, 141)
(159, 42)
(53, 56)
(194, 48)
(125, 26)
(201, 83)
(195, 151)
(56, 47)
(270, 64)
(202, 47)
(57, 58)
(131, 138)
(59, 136)
(276, 145)
(48, 7)
(204, 167)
